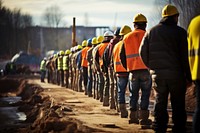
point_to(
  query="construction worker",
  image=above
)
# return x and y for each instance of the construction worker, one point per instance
(103, 73)
(139, 76)
(72, 49)
(121, 73)
(107, 63)
(194, 61)
(164, 50)
(66, 67)
(43, 69)
(84, 64)
(96, 68)
(60, 68)
(91, 82)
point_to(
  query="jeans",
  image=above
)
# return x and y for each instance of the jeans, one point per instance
(140, 79)
(177, 89)
(90, 80)
(196, 117)
(122, 82)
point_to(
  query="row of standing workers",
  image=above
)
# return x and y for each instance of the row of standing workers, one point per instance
(103, 67)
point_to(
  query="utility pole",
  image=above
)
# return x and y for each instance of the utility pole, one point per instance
(170, 1)
(74, 32)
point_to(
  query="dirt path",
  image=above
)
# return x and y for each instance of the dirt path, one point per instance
(88, 110)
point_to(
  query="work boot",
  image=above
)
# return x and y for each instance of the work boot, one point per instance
(123, 110)
(85, 90)
(144, 117)
(90, 94)
(112, 103)
(134, 117)
(106, 101)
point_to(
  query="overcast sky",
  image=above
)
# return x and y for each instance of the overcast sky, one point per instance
(100, 12)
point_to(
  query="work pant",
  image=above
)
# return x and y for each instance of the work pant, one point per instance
(85, 78)
(43, 73)
(66, 72)
(140, 79)
(122, 82)
(61, 77)
(90, 81)
(80, 79)
(106, 84)
(112, 88)
(48, 76)
(177, 89)
(196, 117)
(100, 85)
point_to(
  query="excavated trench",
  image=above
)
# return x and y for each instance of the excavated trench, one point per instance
(23, 109)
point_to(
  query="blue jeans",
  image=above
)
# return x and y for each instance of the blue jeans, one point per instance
(43, 73)
(122, 82)
(140, 79)
(196, 117)
(90, 80)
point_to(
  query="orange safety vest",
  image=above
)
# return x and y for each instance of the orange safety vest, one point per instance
(131, 44)
(84, 62)
(118, 67)
(101, 49)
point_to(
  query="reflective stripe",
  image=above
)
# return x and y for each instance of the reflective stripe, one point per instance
(132, 55)
(194, 52)
(117, 63)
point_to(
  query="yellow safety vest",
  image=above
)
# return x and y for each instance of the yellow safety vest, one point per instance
(60, 63)
(43, 65)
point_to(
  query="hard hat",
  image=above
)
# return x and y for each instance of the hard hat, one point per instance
(67, 52)
(45, 58)
(84, 43)
(100, 39)
(108, 33)
(139, 18)
(55, 55)
(94, 40)
(89, 42)
(124, 30)
(116, 32)
(79, 47)
(169, 10)
(62, 52)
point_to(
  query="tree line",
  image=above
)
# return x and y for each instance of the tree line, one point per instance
(13, 36)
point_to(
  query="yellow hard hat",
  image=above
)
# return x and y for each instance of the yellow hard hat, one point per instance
(84, 43)
(139, 18)
(100, 39)
(62, 52)
(94, 40)
(55, 55)
(169, 10)
(124, 30)
(67, 52)
(79, 47)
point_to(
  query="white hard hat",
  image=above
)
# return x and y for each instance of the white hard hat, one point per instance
(108, 33)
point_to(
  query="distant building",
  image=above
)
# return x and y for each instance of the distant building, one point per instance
(43, 39)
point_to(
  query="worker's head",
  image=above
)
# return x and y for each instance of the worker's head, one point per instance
(116, 32)
(170, 11)
(108, 35)
(84, 43)
(94, 41)
(45, 59)
(67, 52)
(124, 30)
(62, 53)
(89, 42)
(100, 39)
(140, 21)
(79, 47)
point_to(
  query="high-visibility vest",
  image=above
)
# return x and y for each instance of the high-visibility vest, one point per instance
(101, 50)
(65, 63)
(131, 44)
(43, 65)
(194, 47)
(118, 67)
(84, 62)
(60, 63)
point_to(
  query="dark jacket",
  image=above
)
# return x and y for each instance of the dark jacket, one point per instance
(164, 49)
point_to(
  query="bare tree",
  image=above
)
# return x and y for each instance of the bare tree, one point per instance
(52, 16)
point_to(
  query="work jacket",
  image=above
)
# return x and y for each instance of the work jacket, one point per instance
(60, 63)
(131, 44)
(84, 62)
(118, 67)
(66, 62)
(43, 65)
(164, 50)
(194, 47)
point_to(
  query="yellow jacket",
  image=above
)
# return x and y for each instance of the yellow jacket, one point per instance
(194, 47)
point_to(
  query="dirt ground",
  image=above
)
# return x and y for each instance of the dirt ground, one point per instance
(51, 108)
